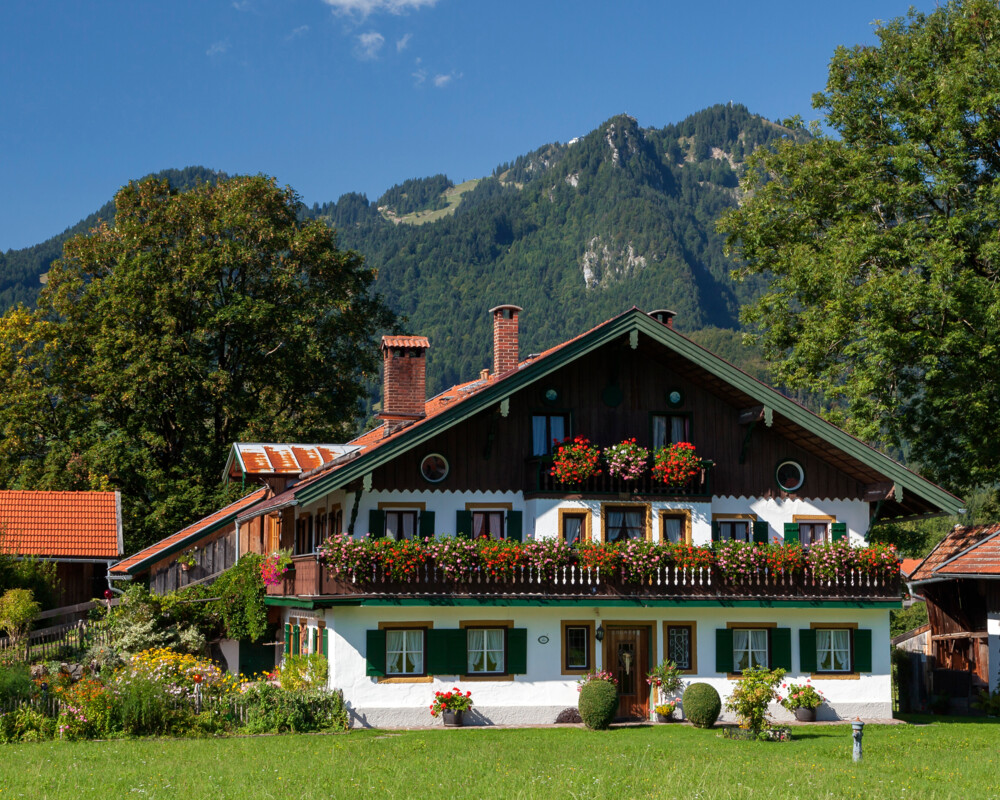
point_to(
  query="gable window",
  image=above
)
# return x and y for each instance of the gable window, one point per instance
(547, 429)
(675, 527)
(750, 648)
(404, 651)
(622, 523)
(680, 645)
(400, 524)
(671, 428)
(833, 650)
(487, 651)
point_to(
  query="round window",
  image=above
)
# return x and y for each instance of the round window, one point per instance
(551, 396)
(790, 476)
(675, 398)
(434, 467)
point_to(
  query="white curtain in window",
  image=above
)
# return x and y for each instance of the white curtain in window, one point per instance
(394, 646)
(475, 640)
(478, 524)
(557, 430)
(672, 529)
(572, 529)
(659, 431)
(539, 445)
(741, 649)
(494, 650)
(615, 520)
(633, 521)
(678, 429)
(758, 646)
(409, 525)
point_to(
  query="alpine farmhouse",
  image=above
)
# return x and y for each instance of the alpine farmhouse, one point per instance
(476, 461)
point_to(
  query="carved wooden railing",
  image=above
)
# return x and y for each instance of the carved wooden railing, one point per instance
(541, 481)
(310, 578)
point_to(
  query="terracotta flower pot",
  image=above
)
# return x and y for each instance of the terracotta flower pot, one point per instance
(805, 714)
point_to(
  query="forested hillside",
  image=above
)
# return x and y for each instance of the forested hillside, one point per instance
(574, 233)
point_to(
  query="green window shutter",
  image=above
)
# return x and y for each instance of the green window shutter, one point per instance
(838, 531)
(760, 529)
(325, 643)
(312, 639)
(716, 532)
(515, 520)
(296, 634)
(375, 653)
(807, 650)
(517, 651)
(781, 649)
(446, 651)
(376, 523)
(723, 650)
(791, 533)
(426, 524)
(862, 650)
(463, 523)
(288, 637)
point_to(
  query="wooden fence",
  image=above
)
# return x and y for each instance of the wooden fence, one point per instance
(49, 643)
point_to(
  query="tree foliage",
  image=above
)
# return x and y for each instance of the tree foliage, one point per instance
(198, 319)
(881, 242)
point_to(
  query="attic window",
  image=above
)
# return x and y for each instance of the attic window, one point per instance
(790, 476)
(434, 467)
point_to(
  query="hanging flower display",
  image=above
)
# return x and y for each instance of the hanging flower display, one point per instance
(274, 567)
(575, 460)
(676, 464)
(626, 460)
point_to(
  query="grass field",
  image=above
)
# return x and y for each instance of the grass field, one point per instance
(922, 761)
(453, 196)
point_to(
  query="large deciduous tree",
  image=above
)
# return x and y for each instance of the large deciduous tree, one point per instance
(881, 239)
(198, 319)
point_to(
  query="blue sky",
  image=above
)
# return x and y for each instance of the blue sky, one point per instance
(331, 96)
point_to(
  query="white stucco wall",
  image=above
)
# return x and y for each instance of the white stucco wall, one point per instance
(778, 511)
(539, 695)
(993, 638)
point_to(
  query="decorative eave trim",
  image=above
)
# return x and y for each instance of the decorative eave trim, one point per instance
(635, 320)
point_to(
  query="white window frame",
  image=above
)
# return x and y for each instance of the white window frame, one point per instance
(408, 648)
(829, 648)
(722, 521)
(751, 651)
(485, 650)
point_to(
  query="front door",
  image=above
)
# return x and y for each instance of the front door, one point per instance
(626, 655)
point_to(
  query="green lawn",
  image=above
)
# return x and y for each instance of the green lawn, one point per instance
(926, 761)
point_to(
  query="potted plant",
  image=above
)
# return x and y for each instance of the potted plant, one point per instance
(803, 699)
(626, 460)
(676, 464)
(274, 567)
(575, 460)
(188, 559)
(665, 678)
(665, 711)
(451, 706)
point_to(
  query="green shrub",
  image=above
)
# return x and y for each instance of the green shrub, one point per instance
(143, 707)
(270, 709)
(25, 724)
(15, 682)
(756, 689)
(18, 610)
(702, 705)
(304, 672)
(598, 704)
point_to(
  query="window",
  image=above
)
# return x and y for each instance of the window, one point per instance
(335, 522)
(576, 648)
(304, 535)
(573, 527)
(400, 524)
(670, 429)
(833, 650)
(734, 530)
(813, 532)
(488, 524)
(486, 649)
(622, 523)
(404, 652)
(675, 527)
(789, 476)
(750, 648)
(272, 537)
(545, 429)
(680, 646)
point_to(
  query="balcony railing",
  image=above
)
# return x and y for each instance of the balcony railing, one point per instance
(541, 481)
(310, 579)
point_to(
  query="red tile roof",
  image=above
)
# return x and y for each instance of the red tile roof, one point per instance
(908, 565)
(966, 550)
(188, 535)
(54, 524)
(280, 459)
(405, 341)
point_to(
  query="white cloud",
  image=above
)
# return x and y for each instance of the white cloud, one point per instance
(419, 77)
(241, 5)
(362, 8)
(440, 81)
(218, 48)
(302, 30)
(369, 45)
(402, 44)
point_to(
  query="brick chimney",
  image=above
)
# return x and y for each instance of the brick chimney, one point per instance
(404, 379)
(505, 357)
(664, 316)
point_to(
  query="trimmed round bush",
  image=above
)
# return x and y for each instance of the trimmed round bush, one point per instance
(702, 705)
(598, 704)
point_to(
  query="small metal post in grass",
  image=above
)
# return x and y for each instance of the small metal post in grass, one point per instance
(858, 729)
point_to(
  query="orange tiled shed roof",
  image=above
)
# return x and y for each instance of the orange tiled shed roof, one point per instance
(185, 536)
(966, 550)
(405, 341)
(61, 524)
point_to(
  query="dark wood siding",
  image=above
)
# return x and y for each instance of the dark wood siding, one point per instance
(490, 452)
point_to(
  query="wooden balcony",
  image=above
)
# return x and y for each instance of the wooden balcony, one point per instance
(310, 580)
(541, 483)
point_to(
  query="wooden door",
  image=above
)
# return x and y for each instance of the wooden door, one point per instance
(626, 655)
